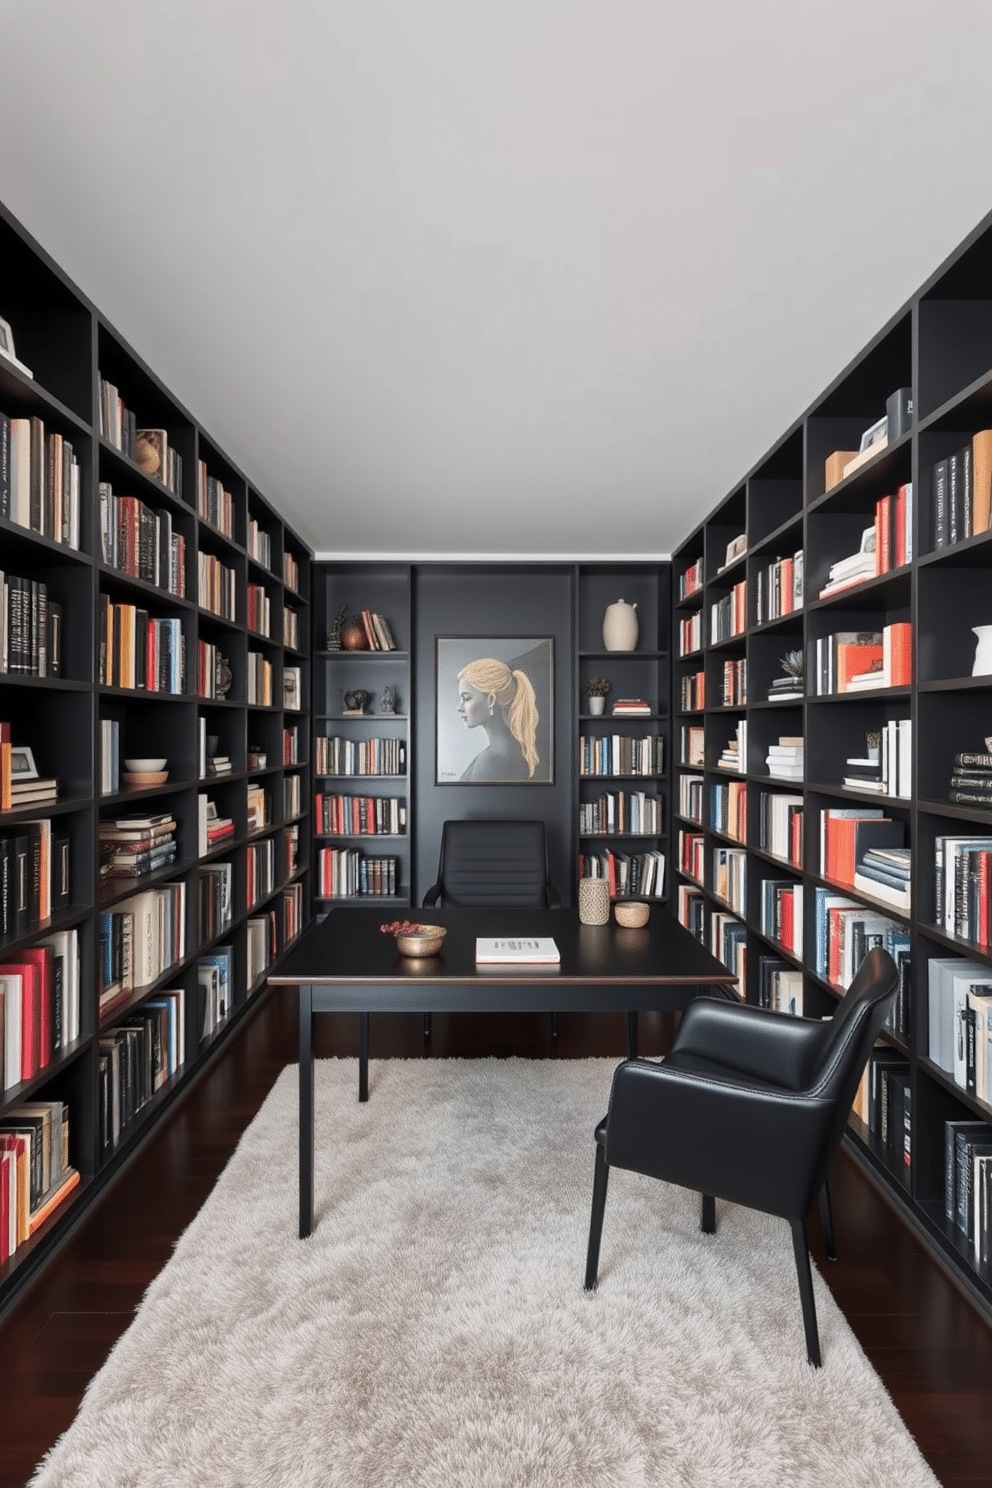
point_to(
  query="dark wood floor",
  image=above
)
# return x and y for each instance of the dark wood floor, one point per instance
(926, 1341)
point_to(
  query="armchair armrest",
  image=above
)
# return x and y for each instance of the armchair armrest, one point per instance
(554, 898)
(774, 1047)
(767, 1149)
(432, 896)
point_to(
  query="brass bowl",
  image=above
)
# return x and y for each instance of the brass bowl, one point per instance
(632, 915)
(426, 941)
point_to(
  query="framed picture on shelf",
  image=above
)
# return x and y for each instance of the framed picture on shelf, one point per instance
(22, 765)
(495, 710)
(7, 347)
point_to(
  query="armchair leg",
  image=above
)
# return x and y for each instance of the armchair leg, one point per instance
(801, 1250)
(707, 1220)
(827, 1222)
(600, 1180)
(554, 1025)
(428, 1024)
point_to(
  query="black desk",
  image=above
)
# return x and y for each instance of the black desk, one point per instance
(345, 964)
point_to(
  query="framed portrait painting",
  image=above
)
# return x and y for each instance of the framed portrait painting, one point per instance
(495, 710)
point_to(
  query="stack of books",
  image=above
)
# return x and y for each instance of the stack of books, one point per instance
(133, 846)
(785, 760)
(734, 756)
(885, 873)
(631, 708)
(855, 568)
(971, 781)
(790, 685)
(219, 764)
(886, 765)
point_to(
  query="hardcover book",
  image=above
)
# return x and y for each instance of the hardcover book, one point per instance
(527, 950)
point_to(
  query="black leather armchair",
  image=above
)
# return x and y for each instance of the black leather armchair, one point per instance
(493, 864)
(749, 1106)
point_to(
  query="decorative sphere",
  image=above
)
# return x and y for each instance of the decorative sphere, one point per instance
(353, 637)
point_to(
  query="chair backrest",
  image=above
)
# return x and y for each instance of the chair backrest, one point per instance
(854, 1028)
(491, 863)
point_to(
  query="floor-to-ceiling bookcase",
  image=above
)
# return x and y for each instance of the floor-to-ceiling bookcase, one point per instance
(812, 752)
(157, 607)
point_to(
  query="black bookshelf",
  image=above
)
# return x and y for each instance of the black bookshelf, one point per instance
(110, 539)
(933, 574)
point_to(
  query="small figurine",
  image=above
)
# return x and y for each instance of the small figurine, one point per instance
(334, 631)
(223, 676)
(356, 700)
(388, 704)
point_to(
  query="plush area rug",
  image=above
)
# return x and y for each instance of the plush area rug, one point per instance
(433, 1332)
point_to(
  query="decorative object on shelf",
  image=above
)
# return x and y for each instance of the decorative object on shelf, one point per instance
(212, 742)
(388, 701)
(144, 766)
(736, 548)
(257, 758)
(632, 914)
(983, 651)
(594, 901)
(7, 348)
(500, 691)
(620, 626)
(790, 684)
(334, 630)
(596, 690)
(145, 777)
(224, 676)
(353, 637)
(356, 700)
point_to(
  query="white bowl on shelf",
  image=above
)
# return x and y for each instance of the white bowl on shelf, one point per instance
(144, 766)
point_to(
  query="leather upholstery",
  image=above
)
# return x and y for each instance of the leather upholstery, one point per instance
(749, 1106)
(489, 864)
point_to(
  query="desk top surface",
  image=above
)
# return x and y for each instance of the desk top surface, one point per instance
(348, 948)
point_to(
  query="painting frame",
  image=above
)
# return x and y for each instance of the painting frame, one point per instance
(494, 709)
(22, 765)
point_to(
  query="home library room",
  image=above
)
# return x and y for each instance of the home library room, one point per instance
(844, 800)
(154, 767)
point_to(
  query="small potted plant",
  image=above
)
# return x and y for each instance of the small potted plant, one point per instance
(596, 689)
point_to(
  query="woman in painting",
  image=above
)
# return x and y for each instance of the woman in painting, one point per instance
(502, 703)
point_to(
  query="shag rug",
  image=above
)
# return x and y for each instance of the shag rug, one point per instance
(434, 1330)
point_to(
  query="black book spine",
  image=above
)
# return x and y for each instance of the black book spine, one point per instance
(4, 466)
(940, 527)
(955, 528)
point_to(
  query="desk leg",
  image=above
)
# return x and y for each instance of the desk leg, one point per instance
(363, 1056)
(631, 1035)
(306, 1112)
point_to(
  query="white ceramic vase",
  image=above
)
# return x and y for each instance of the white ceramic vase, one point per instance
(983, 651)
(597, 705)
(620, 626)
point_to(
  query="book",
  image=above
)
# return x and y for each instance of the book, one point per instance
(525, 951)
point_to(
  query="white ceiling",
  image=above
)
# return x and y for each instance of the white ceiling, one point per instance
(521, 277)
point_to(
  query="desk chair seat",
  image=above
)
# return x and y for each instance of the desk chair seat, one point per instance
(750, 1106)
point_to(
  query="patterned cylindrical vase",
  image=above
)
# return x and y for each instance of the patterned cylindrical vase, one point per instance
(594, 901)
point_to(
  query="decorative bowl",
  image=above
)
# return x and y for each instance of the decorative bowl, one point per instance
(144, 766)
(426, 940)
(632, 915)
(145, 777)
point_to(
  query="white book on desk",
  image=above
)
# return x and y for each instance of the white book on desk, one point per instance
(523, 950)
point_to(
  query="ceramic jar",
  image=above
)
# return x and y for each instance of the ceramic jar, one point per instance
(594, 901)
(597, 705)
(983, 651)
(620, 627)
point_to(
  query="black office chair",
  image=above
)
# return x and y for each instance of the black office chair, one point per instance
(749, 1106)
(493, 864)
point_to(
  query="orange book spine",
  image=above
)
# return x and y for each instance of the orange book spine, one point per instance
(901, 652)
